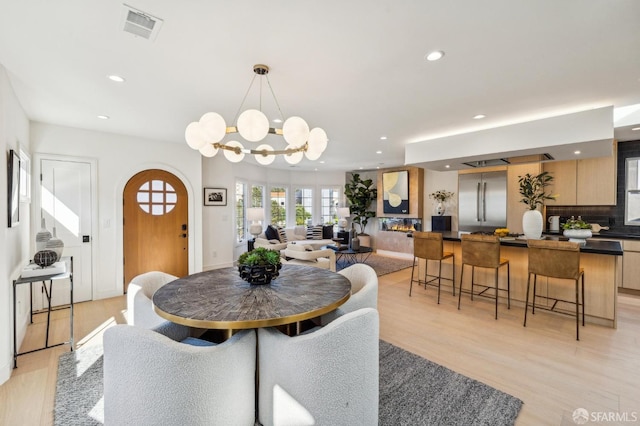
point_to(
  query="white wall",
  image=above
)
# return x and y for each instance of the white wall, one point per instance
(118, 159)
(220, 248)
(14, 242)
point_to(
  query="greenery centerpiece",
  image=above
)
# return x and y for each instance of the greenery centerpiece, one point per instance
(360, 195)
(259, 266)
(533, 192)
(577, 230)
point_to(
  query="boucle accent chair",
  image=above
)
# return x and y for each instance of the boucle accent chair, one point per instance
(364, 291)
(139, 293)
(151, 379)
(327, 377)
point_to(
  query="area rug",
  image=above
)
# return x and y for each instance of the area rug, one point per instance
(381, 264)
(413, 391)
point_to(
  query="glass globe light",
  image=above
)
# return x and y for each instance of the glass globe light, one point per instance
(253, 125)
(294, 158)
(295, 131)
(213, 127)
(194, 136)
(317, 143)
(231, 155)
(208, 150)
(264, 159)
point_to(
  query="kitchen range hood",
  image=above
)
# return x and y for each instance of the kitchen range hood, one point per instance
(510, 160)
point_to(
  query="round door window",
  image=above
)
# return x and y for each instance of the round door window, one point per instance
(157, 197)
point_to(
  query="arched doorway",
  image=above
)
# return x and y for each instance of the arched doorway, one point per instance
(155, 225)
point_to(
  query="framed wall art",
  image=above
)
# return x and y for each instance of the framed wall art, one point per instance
(215, 196)
(396, 192)
(13, 188)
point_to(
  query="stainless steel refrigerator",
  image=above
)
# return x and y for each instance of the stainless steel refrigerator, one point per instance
(482, 201)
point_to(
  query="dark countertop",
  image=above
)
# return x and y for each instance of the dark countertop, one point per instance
(605, 234)
(593, 245)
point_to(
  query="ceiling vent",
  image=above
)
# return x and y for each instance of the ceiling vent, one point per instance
(534, 158)
(140, 23)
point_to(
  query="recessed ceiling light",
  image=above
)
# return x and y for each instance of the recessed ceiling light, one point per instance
(117, 78)
(322, 162)
(435, 55)
(576, 152)
(277, 120)
(378, 152)
(447, 166)
(360, 167)
(479, 117)
(636, 128)
(103, 117)
(383, 138)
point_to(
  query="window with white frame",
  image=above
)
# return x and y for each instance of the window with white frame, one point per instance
(25, 177)
(304, 206)
(329, 201)
(632, 204)
(278, 200)
(240, 211)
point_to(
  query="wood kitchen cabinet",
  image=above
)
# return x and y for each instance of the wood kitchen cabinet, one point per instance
(586, 182)
(631, 264)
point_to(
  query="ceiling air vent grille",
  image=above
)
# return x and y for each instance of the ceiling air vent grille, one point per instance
(140, 23)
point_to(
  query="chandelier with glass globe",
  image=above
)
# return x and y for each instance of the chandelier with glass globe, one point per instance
(207, 134)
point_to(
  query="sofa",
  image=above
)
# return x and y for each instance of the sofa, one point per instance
(278, 238)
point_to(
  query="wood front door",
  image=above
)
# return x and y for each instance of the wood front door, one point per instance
(155, 225)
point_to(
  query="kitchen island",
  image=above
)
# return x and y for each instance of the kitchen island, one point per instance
(600, 259)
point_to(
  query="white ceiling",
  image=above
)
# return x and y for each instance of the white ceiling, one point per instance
(355, 68)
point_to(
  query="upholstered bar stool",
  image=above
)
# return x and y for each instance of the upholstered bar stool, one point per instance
(429, 246)
(555, 259)
(483, 251)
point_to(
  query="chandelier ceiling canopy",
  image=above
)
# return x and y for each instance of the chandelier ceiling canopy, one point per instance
(207, 134)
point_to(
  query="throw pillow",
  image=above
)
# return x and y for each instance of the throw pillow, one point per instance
(271, 233)
(317, 232)
(282, 234)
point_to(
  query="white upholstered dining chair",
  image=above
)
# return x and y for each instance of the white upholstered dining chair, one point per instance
(139, 293)
(151, 378)
(327, 377)
(364, 291)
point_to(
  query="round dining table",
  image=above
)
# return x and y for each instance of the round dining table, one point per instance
(220, 299)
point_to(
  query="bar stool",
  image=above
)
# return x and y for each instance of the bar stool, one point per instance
(483, 251)
(555, 259)
(429, 246)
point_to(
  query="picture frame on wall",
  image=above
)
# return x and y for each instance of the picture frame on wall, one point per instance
(215, 196)
(396, 192)
(13, 189)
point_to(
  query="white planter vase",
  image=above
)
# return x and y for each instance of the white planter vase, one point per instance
(440, 209)
(532, 224)
(578, 235)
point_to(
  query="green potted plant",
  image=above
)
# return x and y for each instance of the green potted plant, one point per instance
(360, 195)
(533, 192)
(259, 266)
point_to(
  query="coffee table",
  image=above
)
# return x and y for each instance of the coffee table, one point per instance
(350, 256)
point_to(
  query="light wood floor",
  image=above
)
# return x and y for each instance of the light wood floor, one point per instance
(541, 364)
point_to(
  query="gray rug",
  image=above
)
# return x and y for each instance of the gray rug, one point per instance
(413, 391)
(382, 264)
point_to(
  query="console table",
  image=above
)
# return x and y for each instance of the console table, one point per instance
(68, 274)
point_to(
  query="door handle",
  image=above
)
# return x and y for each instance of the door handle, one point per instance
(478, 203)
(484, 202)
(182, 235)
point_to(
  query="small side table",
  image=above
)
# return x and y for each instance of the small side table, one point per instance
(48, 292)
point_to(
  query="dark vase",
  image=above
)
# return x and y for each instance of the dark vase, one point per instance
(259, 274)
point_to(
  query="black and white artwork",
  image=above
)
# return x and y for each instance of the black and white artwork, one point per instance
(215, 196)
